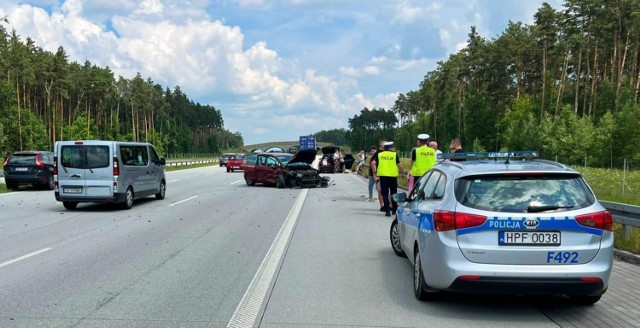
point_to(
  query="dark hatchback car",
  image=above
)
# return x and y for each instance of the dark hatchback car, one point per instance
(29, 167)
(328, 164)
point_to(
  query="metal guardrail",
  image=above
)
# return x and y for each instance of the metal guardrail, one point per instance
(186, 163)
(625, 214)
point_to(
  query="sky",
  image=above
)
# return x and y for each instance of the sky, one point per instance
(276, 69)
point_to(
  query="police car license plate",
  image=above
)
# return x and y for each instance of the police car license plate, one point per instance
(529, 238)
(72, 190)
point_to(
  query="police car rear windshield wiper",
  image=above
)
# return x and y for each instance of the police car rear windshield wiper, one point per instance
(544, 208)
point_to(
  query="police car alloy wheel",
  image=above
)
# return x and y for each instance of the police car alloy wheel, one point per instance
(395, 239)
(420, 288)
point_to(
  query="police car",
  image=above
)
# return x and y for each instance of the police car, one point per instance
(504, 223)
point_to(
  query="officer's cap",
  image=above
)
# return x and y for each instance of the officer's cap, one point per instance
(423, 137)
(388, 145)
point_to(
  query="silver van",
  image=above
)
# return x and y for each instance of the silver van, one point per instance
(100, 171)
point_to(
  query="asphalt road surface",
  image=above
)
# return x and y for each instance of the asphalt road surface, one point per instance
(217, 253)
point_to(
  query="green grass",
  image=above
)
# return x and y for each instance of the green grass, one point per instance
(3, 188)
(631, 244)
(185, 167)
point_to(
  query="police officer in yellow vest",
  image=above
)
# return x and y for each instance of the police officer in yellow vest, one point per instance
(423, 158)
(387, 167)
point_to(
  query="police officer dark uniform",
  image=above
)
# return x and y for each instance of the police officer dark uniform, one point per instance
(423, 158)
(388, 167)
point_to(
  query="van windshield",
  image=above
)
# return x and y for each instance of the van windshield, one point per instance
(84, 157)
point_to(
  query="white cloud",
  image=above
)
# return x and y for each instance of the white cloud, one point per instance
(356, 73)
(150, 7)
(312, 77)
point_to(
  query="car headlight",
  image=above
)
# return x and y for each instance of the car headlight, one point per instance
(299, 175)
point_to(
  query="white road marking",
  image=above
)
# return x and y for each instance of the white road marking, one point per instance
(182, 201)
(174, 180)
(24, 257)
(254, 298)
(232, 183)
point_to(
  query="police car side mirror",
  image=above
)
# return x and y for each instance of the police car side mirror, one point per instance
(400, 197)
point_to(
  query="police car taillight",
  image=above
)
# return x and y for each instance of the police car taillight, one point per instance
(446, 220)
(599, 220)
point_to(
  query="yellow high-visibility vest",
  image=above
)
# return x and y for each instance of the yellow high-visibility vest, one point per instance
(387, 166)
(425, 159)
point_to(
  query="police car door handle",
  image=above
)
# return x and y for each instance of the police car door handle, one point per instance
(415, 211)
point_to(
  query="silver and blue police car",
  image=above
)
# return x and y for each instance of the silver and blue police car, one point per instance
(504, 223)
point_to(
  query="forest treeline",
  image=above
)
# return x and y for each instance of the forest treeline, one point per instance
(567, 85)
(45, 97)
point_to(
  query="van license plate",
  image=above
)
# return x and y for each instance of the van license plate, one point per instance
(529, 238)
(72, 190)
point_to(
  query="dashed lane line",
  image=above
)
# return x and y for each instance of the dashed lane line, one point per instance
(182, 201)
(3, 264)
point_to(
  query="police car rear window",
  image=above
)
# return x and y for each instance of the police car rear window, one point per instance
(514, 193)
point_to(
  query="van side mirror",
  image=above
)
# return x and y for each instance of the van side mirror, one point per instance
(162, 162)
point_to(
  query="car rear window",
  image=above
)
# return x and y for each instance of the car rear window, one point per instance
(516, 193)
(22, 159)
(249, 159)
(84, 157)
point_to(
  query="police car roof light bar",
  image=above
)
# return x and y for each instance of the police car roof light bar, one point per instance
(523, 154)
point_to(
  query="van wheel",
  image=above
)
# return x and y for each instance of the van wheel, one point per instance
(280, 182)
(70, 205)
(12, 186)
(395, 239)
(163, 190)
(128, 199)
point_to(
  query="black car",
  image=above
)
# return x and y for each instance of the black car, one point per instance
(29, 167)
(348, 161)
(327, 162)
(300, 173)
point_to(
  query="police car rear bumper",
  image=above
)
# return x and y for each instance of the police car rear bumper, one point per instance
(528, 286)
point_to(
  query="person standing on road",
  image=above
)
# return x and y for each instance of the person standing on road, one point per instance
(434, 145)
(372, 171)
(361, 158)
(372, 182)
(388, 167)
(423, 158)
